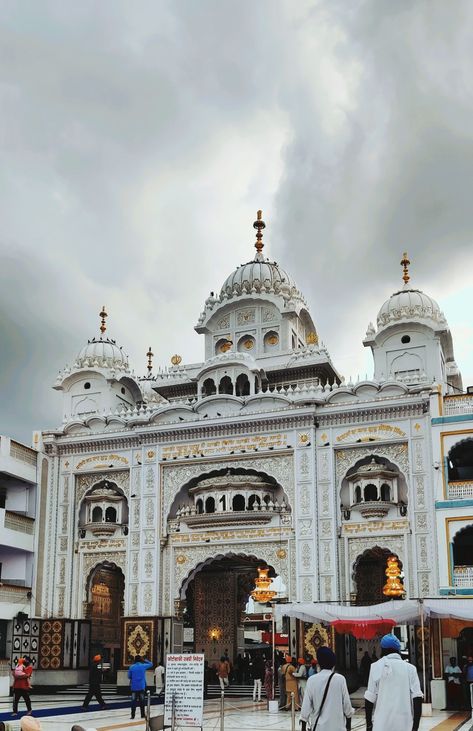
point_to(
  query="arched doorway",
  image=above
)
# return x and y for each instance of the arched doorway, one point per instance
(104, 608)
(369, 575)
(216, 596)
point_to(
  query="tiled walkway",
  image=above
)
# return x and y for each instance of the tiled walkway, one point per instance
(240, 715)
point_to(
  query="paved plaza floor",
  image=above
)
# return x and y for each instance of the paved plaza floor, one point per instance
(240, 714)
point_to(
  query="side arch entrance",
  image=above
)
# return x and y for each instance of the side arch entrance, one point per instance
(104, 608)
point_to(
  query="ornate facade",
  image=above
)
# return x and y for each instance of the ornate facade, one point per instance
(260, 452)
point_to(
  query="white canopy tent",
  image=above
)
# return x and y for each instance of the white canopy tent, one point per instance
(401, 611)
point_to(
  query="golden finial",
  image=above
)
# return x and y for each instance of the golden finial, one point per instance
(103, 315)
(259, 225)
(149, 355)
(312, 338)
(176, 359)
(405, 264)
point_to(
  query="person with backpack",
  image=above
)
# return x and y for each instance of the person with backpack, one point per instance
(21, 684)
(326, 700)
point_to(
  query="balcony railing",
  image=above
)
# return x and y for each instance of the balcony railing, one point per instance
(463, 576)
(24, 454)
(18, 522)
(11, 594)
(458, 405)
(460, 490)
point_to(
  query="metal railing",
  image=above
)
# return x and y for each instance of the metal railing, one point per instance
(22, 453)
(463, 576)
(458, 404)
(18, 522)
(460, 490)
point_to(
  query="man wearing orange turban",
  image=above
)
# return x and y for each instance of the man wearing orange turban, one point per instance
(95, 679)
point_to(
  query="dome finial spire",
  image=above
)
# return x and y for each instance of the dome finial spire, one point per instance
(103, 315)
(149, 355)
(405, 264)
(259, 225)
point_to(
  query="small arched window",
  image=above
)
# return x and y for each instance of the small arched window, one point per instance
(210, 505)
(242, 385)
(199, 506)
(111, 515)
(254, 502)
(238, 503)
(208, 387)
(357, 494)
(460, 461)
(370, 493)
(225, 385)
(97, 514)
(386, 493)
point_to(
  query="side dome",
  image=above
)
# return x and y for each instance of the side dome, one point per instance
(104, 353)
(409, 304)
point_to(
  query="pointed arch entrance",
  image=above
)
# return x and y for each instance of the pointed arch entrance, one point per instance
(215, 595)
(369, 575)
(104, 608)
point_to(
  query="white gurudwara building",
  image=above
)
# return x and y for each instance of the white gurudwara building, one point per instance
(167, 492)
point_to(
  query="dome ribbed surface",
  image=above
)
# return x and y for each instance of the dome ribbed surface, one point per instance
(260, 275)
(409, 304)
(103, 352)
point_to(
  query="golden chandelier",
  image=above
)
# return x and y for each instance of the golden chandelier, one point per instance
(262, 593)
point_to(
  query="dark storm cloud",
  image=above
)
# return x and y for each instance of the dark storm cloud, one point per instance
(137, 142)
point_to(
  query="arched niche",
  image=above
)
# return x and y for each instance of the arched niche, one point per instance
(460, 461)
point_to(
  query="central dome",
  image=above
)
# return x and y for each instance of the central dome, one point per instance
(260, 275)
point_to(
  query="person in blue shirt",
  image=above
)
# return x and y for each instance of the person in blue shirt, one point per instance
(137, 677)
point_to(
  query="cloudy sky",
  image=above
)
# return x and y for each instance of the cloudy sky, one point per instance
(137, 141)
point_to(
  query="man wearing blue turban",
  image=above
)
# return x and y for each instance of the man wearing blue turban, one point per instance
(393, 691)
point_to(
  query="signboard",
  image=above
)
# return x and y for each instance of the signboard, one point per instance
(184, 683)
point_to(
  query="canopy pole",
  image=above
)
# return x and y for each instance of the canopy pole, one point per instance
(273, 649)
(422, 633)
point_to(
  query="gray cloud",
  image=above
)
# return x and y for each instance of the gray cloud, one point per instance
(136, 145)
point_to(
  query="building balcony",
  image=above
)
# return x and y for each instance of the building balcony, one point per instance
(18, 460)
(101, 530)
(377, 509)
(17, 530)
(229, 517)
(458, 405)
(463, 577)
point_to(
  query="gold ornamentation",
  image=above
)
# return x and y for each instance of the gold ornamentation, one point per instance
(323, 437)
(272, 339)
(105, 463)
(281, 553)
(262, 593)
(103, 315)
(248, 344)
(312, 338)
(176, 359)
(226, 345)
(181, 559)
(149, 355)
(150, 454)
(259, 225)
(393, 586)
(405, 265)
(417, 427)
(303, 438)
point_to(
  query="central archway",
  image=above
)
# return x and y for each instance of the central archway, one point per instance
(216, 594)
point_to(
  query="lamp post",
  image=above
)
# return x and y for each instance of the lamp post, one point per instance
(264, 595)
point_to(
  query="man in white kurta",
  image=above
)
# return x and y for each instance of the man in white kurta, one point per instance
(337, 707)
(392, 687)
